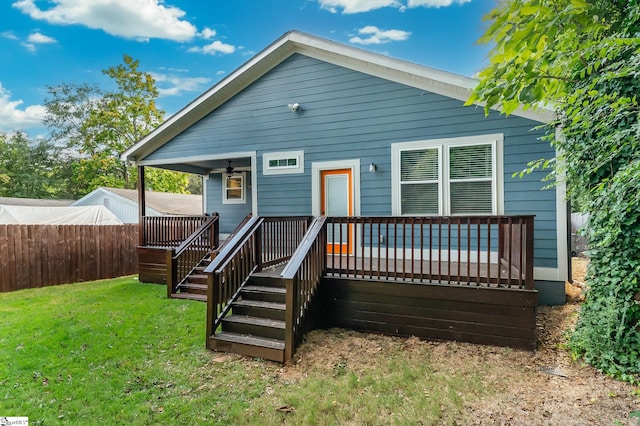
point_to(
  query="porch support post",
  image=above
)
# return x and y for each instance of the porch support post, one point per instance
(141, 206)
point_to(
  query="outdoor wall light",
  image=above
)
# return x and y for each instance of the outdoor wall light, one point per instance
(372, 168)
(294, 107)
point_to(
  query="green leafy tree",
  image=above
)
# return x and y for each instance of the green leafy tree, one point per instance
(582, 58)
(99, 125)
(30, 169)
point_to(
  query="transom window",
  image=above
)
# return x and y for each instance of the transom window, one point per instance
(278, 163)
(233, 190)
(456, 176)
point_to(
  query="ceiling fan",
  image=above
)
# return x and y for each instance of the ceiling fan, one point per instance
(229, 169)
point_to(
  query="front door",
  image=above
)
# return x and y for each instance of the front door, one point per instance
(336, 191)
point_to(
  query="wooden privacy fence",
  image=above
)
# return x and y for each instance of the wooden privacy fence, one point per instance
(43, 255)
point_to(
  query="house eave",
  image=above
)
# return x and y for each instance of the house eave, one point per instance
(411, 74)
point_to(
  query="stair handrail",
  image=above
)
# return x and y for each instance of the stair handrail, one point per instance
(232, 243)
(185, 258)
(206, 225)
(224, 283)
(302, 276)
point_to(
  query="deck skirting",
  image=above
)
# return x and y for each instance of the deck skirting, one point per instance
(493, 316)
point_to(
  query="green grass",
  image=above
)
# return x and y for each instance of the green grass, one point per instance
(119, 352)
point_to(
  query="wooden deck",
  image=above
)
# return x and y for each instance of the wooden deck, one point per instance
(425, 271)
(435, 310)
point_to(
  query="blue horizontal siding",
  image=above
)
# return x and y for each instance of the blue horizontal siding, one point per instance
(347, 114)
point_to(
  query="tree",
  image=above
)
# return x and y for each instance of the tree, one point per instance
(99, 125)
(582, 59)
(30, 169)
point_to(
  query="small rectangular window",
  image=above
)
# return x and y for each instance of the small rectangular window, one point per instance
(277, 163)
(233, 191)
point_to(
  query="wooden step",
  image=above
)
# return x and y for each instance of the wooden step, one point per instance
(262, 279)
(197, 278)
(190, 296)
(259, 308)
(190, 287)
(266, 294)
(254, 326)
(242, 344)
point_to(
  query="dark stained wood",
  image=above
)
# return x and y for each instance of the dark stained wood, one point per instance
(142, 205)
(463, 249)
(152, 264)
(504, 317)
(44, 255)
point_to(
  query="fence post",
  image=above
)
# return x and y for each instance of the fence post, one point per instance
(529, 282)
(289, 335)
(211, 305)
(172, 273)
(258, 235)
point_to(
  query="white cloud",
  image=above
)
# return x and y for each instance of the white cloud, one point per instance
(38, 38)
(173, 85)
(137, 19)
(434, 3)
(10, 35)
(214, 48)
(14, 118)
(207, 33)
(358, 6)
(374, 35)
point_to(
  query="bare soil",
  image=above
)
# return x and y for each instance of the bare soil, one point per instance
(545, 387)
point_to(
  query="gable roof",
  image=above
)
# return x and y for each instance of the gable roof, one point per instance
(163, 202)
(408, 73)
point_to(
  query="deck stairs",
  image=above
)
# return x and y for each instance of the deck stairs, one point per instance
(195, 285)
(256, 325)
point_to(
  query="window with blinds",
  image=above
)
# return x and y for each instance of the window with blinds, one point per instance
(443, 178)
(420, 181)
(471, 179)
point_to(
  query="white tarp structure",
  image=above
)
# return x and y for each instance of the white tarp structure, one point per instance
(30, 215)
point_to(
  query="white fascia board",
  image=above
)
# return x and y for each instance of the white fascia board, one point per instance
(423, 77)
(229, 86)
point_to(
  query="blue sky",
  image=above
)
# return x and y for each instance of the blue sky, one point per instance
(189, 45)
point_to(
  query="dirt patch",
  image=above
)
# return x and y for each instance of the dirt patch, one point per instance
(545, 387)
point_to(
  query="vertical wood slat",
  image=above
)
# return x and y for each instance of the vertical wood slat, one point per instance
(443, 242)
(44, 255)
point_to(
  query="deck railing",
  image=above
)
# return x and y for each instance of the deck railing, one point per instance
(260, 243)
(184, 259)
(302, 276)
(168, 231)
(460, 250)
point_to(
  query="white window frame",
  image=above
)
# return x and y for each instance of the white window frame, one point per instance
(243, 188)
(444, 146)
(283, 155)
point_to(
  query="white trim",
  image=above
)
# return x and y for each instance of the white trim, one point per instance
(443, 145)
(243, 189)
(254, 184)
(561, 218)
(204, 193)
(282, 155)
(547, 274)
(197, 158)
(317, 167)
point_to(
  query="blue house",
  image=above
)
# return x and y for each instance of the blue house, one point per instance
(310, 127)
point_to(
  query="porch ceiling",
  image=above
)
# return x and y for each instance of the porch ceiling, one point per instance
(204, 167)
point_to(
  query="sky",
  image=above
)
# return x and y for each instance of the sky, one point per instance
(190, 45)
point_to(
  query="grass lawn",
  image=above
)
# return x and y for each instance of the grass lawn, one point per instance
(119, 352)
